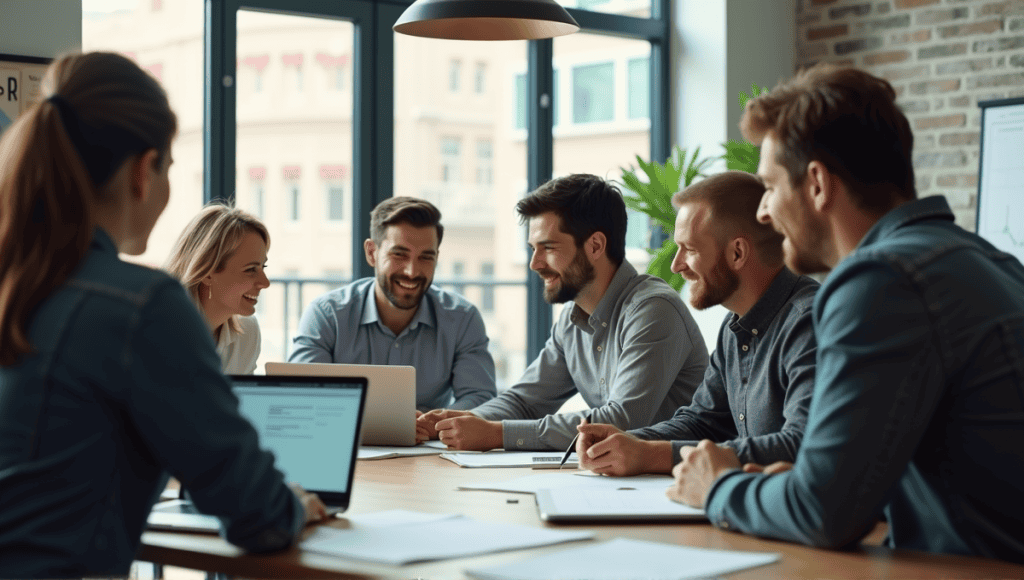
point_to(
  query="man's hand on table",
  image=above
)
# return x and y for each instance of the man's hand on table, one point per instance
(426, 423)
(468, 432)
(315, 509)
(700, 467)
(606, 450)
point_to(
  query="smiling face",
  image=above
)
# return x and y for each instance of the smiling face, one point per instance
(404, 263)
(789, 211)
(701, 259)
(235, 288)
(563, 266)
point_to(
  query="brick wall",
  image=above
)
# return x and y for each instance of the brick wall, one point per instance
(942, 57)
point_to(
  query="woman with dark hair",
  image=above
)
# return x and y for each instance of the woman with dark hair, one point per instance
(109, 381)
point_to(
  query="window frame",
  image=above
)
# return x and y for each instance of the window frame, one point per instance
(373, 106)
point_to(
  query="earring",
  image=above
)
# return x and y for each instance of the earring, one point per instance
(210, 295)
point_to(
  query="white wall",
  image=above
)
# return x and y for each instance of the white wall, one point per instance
(720, 47)
(42, 28)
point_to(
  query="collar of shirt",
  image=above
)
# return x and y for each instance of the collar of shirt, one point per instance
(760, 316)
(424, 314)
(928, 208)
(605, 308)
(102, 241)
(228, 335)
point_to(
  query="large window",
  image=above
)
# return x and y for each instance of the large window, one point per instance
(317, 112)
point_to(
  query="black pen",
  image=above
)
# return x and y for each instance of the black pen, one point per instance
(568, 452)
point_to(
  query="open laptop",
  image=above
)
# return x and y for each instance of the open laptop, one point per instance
(311, 424)
(390, 417)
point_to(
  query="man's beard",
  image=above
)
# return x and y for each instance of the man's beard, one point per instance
(387, 286)
(576, 276)
(715, 288)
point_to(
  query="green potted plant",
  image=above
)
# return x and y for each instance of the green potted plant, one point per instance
(743, 155)
(653, 197)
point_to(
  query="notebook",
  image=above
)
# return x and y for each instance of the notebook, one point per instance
(390, 417)
(310, 424)
(567, 504)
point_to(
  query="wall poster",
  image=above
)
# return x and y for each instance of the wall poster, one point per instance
(20, 81)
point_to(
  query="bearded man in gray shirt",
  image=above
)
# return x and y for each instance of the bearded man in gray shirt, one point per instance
(757, 390)
(625, 341)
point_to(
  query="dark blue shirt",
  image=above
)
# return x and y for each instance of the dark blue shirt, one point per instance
(757, 389)
(124, 387)
(918, 406)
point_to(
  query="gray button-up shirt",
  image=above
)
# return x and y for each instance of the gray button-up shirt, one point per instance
(445, 341)
(635, 360)
(757, 389)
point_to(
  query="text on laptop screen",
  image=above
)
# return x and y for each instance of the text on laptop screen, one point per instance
(311, 431)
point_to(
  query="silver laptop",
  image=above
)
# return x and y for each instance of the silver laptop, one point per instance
(390, 417)
(311, 424)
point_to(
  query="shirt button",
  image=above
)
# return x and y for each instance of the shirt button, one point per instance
(604, 324)
(602, 381)
(396, 345)
(745, 348)
(599, 348)
(741, 416)
(520, 442)
(754, 331)
(724, 524)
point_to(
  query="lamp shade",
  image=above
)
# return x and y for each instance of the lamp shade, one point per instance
(486, 19)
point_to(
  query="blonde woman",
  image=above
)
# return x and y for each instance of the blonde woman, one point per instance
(219, 258)
(109, 382)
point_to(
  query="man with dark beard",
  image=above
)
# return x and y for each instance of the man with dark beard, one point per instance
(757, 389)
(625, 341)
(383, 320)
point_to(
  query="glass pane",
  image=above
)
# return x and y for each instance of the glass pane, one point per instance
(461, 144)
(605, 135)
(638, 8)
(165, 38)
(593, 93)
(638, 87)
(294, 158)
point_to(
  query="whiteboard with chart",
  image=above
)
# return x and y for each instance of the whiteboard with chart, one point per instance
(1001, 179)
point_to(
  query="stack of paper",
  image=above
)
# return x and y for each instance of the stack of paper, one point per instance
(545, 459)
(383, 452)
(572, 479)
(623, 559)
(433, 538)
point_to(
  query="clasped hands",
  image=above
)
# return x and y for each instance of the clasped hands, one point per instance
(606, 450)
(459, 430)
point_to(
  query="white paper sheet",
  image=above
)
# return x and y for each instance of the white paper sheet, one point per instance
(624, 559)
(396, 518)
(546, 459)
(586, 501)
(438, 540)
(555, 480)
(384, 452)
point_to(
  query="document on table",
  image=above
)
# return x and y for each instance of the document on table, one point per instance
(432, 540)
(384, 452)
(620, 559)
(556, 480)
(568, 504)
(544, 459)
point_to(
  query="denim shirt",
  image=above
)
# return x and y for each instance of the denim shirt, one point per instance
(124, 388)
(445, 341)
(757, 390)
(918, 406)
(635, 360)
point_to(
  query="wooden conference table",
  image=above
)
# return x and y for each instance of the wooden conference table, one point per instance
(428, 484)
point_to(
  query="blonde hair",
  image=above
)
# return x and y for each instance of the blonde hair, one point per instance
(98, 110)
(206, 244)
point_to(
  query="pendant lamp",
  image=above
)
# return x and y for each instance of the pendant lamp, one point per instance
(486, 19)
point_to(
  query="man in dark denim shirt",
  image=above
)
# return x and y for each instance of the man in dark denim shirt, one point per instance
(757, 388)
(918, 407)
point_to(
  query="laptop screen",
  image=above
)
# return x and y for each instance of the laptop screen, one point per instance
(310, 424)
